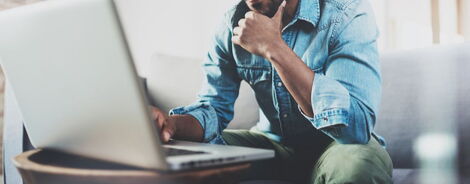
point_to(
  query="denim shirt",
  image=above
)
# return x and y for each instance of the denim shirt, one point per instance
(336, 39)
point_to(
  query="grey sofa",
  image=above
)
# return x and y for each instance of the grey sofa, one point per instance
(400, 120)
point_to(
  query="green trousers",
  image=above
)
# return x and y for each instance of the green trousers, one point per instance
(332, 163)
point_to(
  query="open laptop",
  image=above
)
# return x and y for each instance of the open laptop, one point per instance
(70, 68)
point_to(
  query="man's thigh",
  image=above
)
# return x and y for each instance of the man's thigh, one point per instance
(353, 163)
(264, 169)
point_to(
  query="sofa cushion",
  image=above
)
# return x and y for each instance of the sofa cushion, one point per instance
(405, 176)
(406, 111)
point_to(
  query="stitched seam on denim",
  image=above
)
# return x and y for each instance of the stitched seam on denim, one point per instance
(347, 4)
(306, 19)
(340, 5)
(212, 116)
(318, 12)
(254, 67)
(293, 35)
(326, 26)
(340, 15)
(331, 112)
(320, 125)
(332, 121)
(334, 29)
(219, 66)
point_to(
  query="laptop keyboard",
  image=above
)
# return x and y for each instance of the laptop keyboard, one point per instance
(177, 152)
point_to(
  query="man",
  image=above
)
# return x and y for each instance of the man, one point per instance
(314, 67)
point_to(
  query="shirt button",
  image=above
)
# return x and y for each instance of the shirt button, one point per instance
(285, 115)
(279, 84)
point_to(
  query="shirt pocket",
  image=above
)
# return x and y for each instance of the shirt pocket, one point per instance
(255, 75)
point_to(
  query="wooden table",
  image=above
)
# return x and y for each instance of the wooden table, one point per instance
(49, 167)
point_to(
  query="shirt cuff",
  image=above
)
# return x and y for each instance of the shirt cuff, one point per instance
(328, 118)
(330, 103)
(207, 118)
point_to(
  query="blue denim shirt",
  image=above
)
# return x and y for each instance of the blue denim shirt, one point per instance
(336, 39)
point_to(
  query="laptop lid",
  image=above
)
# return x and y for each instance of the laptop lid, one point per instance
(69, 66)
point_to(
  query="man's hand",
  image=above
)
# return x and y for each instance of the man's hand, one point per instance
(188, 127)
(165, 124)
(257, 33)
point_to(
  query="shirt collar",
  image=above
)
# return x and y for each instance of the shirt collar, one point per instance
(309, 11)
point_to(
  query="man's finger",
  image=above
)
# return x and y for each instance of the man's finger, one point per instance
(163, 137)
(154, 113)
(236, 31)
(242, 23)
(166, 134)
(280, 12)
(236, 39)
(250, 14)
(160, 121)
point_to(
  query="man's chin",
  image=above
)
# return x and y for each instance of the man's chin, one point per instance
(269, 14)
(258, 11)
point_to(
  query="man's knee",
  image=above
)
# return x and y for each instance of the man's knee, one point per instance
(353, 164)
(360, 171)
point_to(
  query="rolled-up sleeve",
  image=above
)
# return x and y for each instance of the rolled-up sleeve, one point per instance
(214, 108)
(345, 97)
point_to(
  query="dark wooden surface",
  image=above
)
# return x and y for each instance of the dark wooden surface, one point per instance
(48, 167)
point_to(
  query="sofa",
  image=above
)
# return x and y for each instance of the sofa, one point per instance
(404, 114)
(175, 81)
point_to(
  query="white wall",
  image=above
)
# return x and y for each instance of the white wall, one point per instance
(408, 24)
(380, 11)
(465, 18)
(174, 27)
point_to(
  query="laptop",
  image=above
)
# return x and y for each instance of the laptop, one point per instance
(69, 66)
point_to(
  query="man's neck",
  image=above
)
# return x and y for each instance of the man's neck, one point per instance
(289, 12)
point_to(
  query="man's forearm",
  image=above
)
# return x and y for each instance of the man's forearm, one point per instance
(187, 128)
(295, 74)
